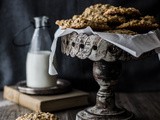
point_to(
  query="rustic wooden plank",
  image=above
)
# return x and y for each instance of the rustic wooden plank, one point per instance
(11, 112)
(145, 106)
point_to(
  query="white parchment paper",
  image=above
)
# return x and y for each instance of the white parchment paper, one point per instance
(133, 44)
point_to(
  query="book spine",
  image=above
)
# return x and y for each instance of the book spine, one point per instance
(64, 103)
(21, 99)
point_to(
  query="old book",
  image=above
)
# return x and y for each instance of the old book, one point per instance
(46, 103)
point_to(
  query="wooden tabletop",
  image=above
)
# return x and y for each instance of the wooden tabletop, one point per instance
(145, 106)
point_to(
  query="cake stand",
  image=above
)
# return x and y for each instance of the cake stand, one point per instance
(107, 67)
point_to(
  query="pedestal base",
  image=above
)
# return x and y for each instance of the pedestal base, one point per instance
(94, 113)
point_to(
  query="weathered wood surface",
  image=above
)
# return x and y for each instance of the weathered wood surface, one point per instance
(145, 106)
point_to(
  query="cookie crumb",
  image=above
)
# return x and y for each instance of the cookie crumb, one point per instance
(38, 116)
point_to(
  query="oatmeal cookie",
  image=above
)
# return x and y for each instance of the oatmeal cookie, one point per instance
(64, 23)
(108, 19)
(151, 19)
(38, 116)
(79, 22)
(96, 9)
(143, 25)
(122, 11)
(95, 14)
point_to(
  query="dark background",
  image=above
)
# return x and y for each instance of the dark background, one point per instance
(15, 15)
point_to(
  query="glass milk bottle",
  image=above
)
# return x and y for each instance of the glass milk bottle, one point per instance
(37, 63)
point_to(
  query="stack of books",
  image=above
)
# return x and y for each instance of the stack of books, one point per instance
(45, 103)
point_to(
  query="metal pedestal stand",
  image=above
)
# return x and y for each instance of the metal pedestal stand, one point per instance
(106, 70)
(106, 75)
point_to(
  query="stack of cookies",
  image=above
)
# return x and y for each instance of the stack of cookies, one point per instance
(105, 17)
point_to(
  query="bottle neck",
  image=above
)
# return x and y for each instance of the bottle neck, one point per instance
(41, 40)
(41, 21)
